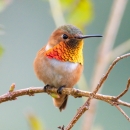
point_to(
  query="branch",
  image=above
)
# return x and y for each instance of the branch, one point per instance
(122, 112)
(115, 101)
(103, 60)
(109, 70)
(125, 91)
(68, 91)
(86, 105)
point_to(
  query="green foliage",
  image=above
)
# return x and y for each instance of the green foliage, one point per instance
(77, 12)
(1, 50)
(34, 122)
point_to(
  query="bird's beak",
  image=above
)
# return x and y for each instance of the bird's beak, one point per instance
(87, 36)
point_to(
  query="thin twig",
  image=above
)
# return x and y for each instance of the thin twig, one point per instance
(68, 91)
(12, 94)
(87, 103)
(124, 92)
(103, 61)
(117, 106)
(108, 71)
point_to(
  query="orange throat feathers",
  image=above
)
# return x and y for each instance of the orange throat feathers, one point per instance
(63, 52)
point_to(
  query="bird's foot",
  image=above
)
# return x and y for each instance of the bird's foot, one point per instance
(59, 91)
(45, 87)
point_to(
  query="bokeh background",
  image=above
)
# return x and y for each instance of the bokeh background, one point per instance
(25, 27)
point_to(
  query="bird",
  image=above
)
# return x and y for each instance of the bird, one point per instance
(60, 62)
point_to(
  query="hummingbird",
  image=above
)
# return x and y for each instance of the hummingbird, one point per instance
(60, 62)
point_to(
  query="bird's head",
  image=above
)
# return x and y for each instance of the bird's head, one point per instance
(69, 41)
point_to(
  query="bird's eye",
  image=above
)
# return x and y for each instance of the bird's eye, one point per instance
(64, 36)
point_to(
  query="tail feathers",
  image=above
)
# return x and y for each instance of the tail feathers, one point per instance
(63, 106)
(61, 102)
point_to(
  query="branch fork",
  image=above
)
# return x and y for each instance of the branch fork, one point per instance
(113, 100)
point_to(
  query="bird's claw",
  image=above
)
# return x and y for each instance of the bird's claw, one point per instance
(59, 90)
(45, 87)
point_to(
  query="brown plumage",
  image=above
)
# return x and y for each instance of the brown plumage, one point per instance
(57, 74)
(61, 69)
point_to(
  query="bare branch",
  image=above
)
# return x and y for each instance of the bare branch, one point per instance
(87, 103)
(111, 30)
(108, 71)
(12, 94)
(122, 112)
(124, 92)
(69, 91)
(109, 37)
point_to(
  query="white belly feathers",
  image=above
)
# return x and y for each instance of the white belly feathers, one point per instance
(66, 66)
(59, 71)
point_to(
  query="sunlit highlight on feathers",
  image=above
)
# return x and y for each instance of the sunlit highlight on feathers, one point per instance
(63, 52)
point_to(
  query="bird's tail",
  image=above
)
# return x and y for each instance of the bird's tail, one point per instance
(61, 102)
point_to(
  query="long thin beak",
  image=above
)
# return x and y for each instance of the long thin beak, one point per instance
(88, 36)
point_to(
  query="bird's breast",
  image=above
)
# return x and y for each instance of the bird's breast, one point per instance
(64, 66)
(57, 73)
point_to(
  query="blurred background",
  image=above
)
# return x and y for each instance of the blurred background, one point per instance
(25, 26)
